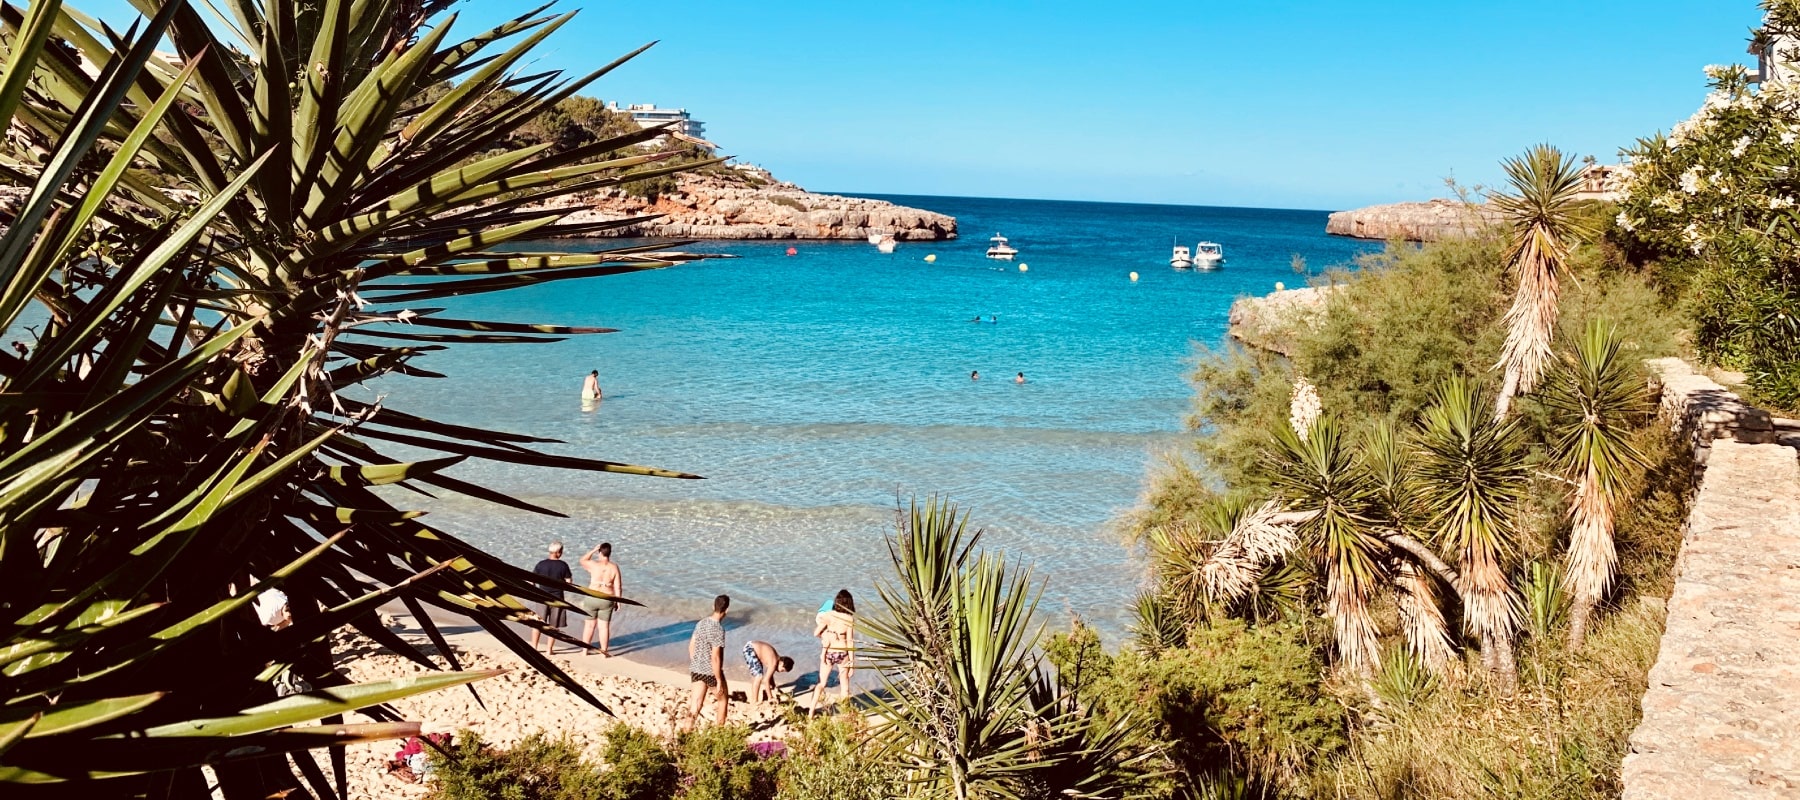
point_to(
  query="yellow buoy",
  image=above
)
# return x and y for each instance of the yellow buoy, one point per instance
(1134, 277)
(931, 258)
(1024, 267)
(1279, 287)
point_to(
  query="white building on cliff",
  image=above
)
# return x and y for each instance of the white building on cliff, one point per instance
(647, 114)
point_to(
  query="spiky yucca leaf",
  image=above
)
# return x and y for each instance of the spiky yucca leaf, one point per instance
(1594, 398)
(1470, 476)
(1541, 213)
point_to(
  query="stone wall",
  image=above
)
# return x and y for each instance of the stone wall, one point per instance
(1722, 711)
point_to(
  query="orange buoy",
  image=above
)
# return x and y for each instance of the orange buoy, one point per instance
(792, 251)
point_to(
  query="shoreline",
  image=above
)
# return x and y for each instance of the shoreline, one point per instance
(520, 701)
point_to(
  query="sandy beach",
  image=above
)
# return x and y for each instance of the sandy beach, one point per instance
(521, 702)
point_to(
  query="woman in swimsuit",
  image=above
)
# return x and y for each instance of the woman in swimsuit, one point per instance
(836, 630)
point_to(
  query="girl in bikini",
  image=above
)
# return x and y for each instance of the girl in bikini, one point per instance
(836, 630)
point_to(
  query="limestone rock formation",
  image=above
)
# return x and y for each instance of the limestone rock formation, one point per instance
(712, 207)
(1269, 322)
(1414, 222)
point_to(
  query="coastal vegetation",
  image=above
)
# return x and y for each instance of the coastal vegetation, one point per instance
(1423, 555)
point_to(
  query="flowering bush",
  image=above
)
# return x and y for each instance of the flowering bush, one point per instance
(1717, 199)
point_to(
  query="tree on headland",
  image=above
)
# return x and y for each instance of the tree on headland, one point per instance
(180, 436)
(1540, 210)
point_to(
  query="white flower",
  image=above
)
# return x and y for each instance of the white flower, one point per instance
(1690, 180)
(1717, 71)
(1741, 146)
(1625, 222)
(1780, 202)
(1788, 137)
(1304, 407)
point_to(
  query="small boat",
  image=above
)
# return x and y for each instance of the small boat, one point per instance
(1208, 255)
(1181, 259)
(886, 243)
(1000, 249)
(875, 238)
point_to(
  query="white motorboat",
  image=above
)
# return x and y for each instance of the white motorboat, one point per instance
(1000, 249)
(886, 243)
(1208, 255)
(1181, 259)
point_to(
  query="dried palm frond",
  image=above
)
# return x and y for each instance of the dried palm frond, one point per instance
(1422, 619)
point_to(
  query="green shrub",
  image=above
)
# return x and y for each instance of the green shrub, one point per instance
(830, 758)
(784, 200)
(716, 764)
(1236, 702)
(535, 769)
(638, 767)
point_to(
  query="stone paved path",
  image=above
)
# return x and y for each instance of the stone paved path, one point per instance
(1722, 714)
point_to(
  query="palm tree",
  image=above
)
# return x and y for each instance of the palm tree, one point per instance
(1541, 212)
(1470, 475)
(1593, 397)
(179, 437)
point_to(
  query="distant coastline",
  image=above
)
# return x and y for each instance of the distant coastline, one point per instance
(755, 206)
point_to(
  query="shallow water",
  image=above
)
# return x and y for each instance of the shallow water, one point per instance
(813, 390)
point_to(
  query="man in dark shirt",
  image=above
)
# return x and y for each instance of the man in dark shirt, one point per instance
(556, 569)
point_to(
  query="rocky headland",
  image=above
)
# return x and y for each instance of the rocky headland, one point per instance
(1271, 321)
(1429, 221)
(712, 206)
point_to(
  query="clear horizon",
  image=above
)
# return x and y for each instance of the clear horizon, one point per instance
(1298, 104)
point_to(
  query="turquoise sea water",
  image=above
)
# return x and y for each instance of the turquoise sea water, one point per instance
(812, 390)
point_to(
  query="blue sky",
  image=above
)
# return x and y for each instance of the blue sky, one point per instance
(1276, 103)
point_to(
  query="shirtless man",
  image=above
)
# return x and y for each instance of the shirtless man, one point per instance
(603, 577)
(763, 662)
(590, 386)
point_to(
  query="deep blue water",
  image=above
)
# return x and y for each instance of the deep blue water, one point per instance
(812, 390)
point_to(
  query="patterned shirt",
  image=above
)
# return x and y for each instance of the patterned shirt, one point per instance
(708, 634)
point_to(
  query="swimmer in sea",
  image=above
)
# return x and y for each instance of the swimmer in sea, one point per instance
(994, 318)
(975, 376)
(1020, 378)
(590, 386)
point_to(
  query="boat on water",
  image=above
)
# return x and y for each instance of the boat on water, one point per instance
(1208, 255)
(1000, 249)
(1181, 258)
(886, 243)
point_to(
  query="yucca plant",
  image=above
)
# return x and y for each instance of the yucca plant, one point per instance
(177, 439)
(1594, 397)
(1321, 477)
(1540, 210)
(968, 710)
(1470, 476)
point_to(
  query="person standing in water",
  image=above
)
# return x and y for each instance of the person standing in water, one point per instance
(590, 387)
(836, 630)
(1020, 378)
(603, 577)
(975, 376)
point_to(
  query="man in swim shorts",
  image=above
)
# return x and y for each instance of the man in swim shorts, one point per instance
(603, 577)
(552, 569)
(706, 664)
(758, 656)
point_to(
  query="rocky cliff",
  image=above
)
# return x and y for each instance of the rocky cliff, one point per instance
(713, 207)
(1416, 222)
(1271, 321)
